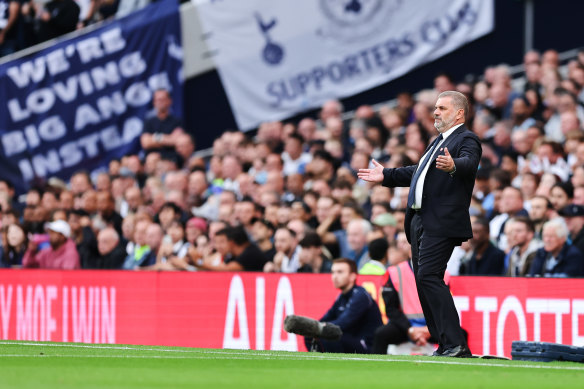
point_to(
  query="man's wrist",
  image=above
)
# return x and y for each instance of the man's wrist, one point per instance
(453, 169)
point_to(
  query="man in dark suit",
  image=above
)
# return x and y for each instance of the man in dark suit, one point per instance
(437, 217)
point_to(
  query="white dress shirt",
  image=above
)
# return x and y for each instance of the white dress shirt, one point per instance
(420, 185)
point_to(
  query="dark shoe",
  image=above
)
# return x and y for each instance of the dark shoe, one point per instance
(457, 352)
(438, 351)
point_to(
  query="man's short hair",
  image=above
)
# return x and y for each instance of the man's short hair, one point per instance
(458, 100)
(548, 203)
(378, 249)
(352, 264)
(291, 232)
(236, 235)
(526, 221)
(265, 222)
(481, 221)
(311, 239)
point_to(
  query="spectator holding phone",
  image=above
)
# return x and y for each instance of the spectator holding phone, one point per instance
(62, 253)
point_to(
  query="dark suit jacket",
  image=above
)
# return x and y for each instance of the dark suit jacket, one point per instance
(446, 197)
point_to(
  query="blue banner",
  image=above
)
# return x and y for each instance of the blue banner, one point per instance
(81, 102)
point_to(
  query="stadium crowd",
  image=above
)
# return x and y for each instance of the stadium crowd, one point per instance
(24, 23)
(288, 199)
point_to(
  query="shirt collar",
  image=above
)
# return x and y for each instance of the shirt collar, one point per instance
(449, 132)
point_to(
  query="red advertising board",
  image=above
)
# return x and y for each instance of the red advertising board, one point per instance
(246, 310)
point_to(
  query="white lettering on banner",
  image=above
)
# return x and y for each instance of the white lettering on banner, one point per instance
(511, 304)
(534, 306)
(236, 307)
(34, 316)
(558, 307)
(51, 323)
(5, 305)
(93, 313)
(462, 304)
(333, 53)
(72, 153)
(486, 305)
(65, 310)
(42, 100)
(577, 311)
(284, 304)
(260, 313)
(55, 62)
(24, 314)
(108, 315)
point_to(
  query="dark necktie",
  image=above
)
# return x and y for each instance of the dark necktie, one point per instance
(412, 194)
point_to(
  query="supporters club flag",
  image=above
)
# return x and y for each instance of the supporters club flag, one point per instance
(80, 102)
(279, 58)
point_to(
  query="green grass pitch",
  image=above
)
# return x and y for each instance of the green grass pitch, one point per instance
(66, 365)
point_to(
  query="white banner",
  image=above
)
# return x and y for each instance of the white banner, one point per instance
(278, 58)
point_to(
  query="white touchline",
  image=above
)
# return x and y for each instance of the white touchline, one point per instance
(246, 355)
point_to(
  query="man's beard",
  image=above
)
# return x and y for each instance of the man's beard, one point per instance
(443, 124)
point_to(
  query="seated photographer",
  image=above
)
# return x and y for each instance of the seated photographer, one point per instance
(354, 311)
(403, 309)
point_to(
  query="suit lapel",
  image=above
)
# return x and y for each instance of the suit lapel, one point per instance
(449, 141)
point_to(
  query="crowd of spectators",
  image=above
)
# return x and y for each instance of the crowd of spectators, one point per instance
(288, 199)
(24, 23)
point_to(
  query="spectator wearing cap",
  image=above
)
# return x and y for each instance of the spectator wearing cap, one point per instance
(262, 233)
(62, 253)
(557, 257)
(387, 223)
(377, 264)
(194, 228)
(574, 216)
(312, 259)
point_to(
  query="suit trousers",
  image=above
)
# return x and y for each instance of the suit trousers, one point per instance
(430, 255)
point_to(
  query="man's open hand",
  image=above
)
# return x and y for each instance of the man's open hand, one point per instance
(372, 175)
